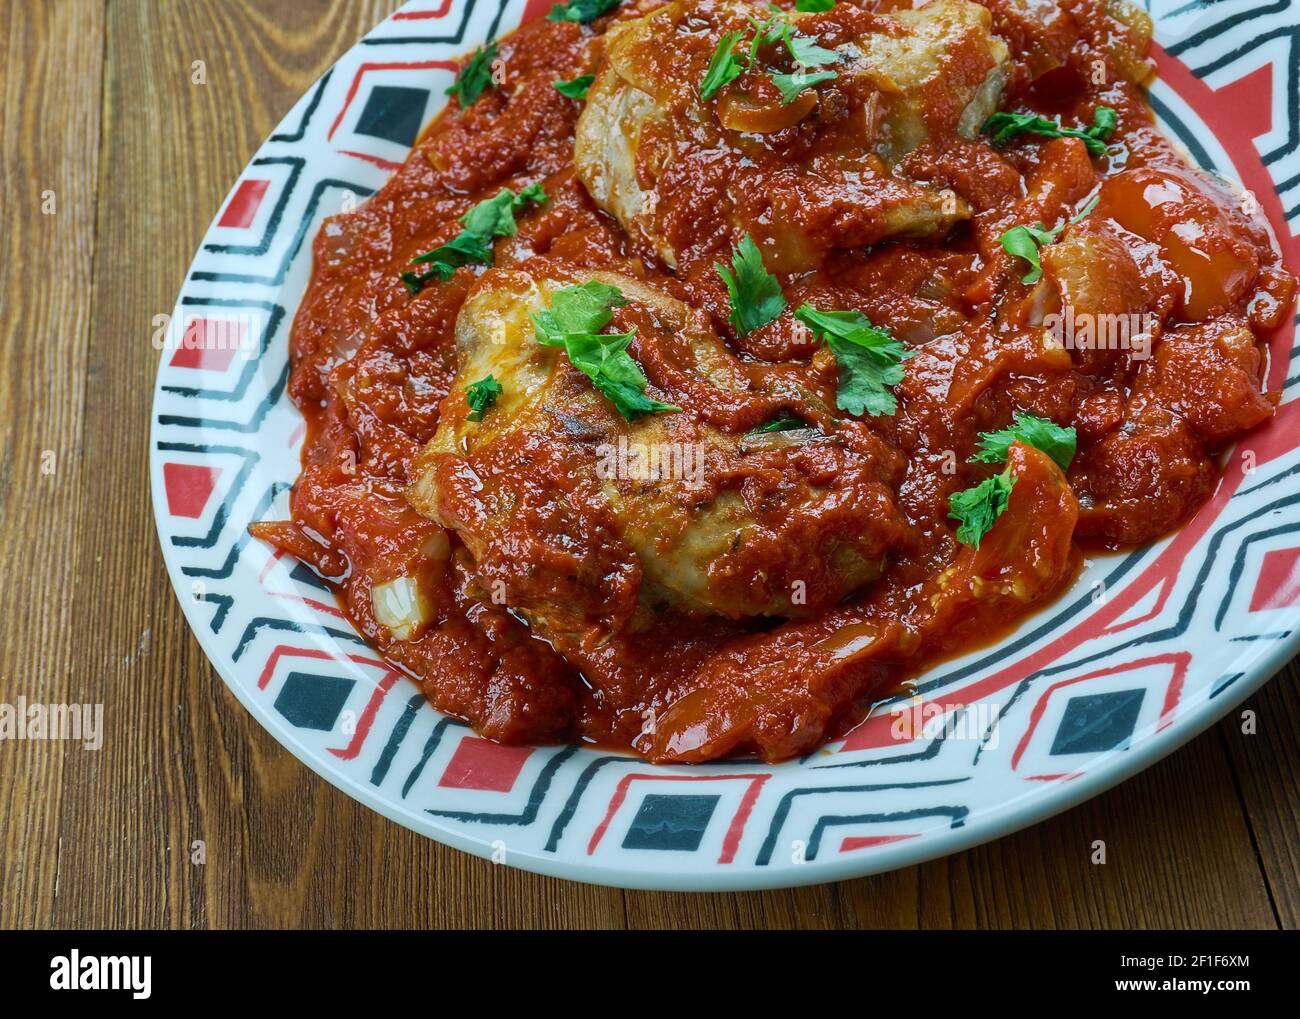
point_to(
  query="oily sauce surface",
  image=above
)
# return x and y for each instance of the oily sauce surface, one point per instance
(371, 366)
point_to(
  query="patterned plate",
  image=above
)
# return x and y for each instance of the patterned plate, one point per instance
(1146, 651)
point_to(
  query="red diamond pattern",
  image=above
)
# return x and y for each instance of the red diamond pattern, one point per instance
(188, 487)
(208, 344)
(244, 204)
(481, 764)
(1278, 585)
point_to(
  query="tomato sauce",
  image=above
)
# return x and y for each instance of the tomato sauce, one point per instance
(372, 365)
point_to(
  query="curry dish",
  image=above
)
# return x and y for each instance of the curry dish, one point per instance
(710, 368)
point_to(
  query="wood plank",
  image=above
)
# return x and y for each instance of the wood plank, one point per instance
(1267, 766)
(183, 761)
(50, 84)
(1206, 838)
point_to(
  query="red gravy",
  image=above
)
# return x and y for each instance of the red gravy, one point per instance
(371, 366)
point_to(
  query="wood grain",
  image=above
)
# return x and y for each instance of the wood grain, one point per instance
(100, 108)
(50, 82)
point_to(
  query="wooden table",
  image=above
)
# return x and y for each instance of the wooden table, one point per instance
(100, 110)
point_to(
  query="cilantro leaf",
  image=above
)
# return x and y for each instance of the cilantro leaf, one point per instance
(604, 359)
(572, 322)
(481, 395)
(495, 217)
(1104, 122)
(1024, 242)
(806, 52)
(978, 508)
(1041, 433)
(724, 67)
(581, 11)
(491, 218)
(756, 297)
(792, 84)
(474, 77)
(532, 193)
(1005, 126)
(813, 6)
(577, 88)
(870, 359)
(587, 308)
(769, 31)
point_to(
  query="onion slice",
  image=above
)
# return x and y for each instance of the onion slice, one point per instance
(400, 606)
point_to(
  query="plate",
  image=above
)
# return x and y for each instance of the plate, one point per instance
(1144, 652)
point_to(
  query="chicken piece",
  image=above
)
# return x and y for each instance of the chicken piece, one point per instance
(931, 72)
(1210, 375)
(780, 693)
(1141, 480)
(1102, 312)
(1040, 34)
(582, 522)
(942, 73)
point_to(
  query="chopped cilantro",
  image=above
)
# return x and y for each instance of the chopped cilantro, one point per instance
(489, 219)
(813, 6)
(978, 508)
(577, 88)
(1005, 126)
(1045, 435)
(481, 395)
(756, 297)
(806, 52)
(1025, 241)
(793, 84)
(572, 322)
(870, 359)
(727, 65)
(474, 77)
(724, 67)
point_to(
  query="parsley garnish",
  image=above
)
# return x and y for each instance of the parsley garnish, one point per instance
(870, 359)
(1045, 435)
(1005, 126)
(581, 11)
(1024, 242)
(792, 84)
(978, 508)
(586, 308)
(756, 297)
(475, 77)
(481, 395)
(577, 88)
(813, 6)
(724, 67)
(573, 322)
(806, 52)
(489, 219)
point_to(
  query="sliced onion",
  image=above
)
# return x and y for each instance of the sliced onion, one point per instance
(752, 116)
(400, 606)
